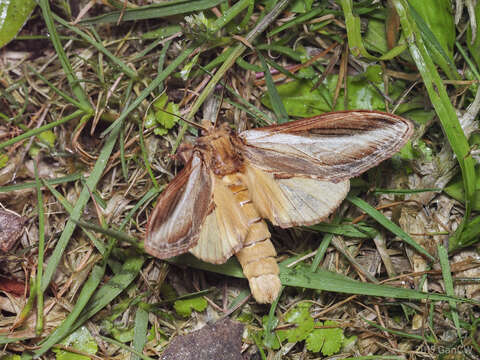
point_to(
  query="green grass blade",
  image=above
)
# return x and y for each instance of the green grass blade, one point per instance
(276, 101)
(41, 129)
(448, 282)
(301, 276)
(64, 329)
(114, 287)
(394, 228)
(77, 211)
(69, 208)
(41, 252)
(444, 109)
(67, 67)
(354, 33)
(122, 66)
(140, 331)
(160, 10)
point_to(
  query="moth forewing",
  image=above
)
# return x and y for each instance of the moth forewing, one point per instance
(175, 223)
(331, 147)
(293, 174)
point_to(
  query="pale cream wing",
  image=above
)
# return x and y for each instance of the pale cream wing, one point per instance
(295, 200)
(332, 147)
(225, 228)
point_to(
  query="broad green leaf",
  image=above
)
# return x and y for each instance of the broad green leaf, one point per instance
(300, 101)
(375, 37)
(184, 307)
(436, 24)
(13, 15)
(300, 316)
(328, 340)
(438, 17)
(80, 340)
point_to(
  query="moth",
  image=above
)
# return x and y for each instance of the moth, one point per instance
(292, 174)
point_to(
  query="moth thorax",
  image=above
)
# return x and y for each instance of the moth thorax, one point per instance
(226, 159)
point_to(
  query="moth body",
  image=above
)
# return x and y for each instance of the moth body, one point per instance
(257, 257)
(292, 174)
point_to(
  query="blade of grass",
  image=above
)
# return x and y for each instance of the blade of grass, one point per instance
(41, 251)
(114, 287)
(349, 230)
(121, 65)
(404, 191)
(236, 52)
(60, 93)
(434, 47)
(467, 59)
(43, 128)
(301, 276)
(275, 100)
(444, 109)
(298, 20)
(67, 67)
(448, 283)
(381, 219)
(354, 33)
(64, 329)
(77, 211)
(139, 331)
(69, 208)
(118, 235)
(150, 194)
(126, 348)
(160, 10)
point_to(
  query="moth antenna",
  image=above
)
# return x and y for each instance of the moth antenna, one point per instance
(194, 124)
(218, 109)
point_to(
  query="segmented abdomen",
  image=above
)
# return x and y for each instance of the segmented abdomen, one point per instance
(257, 257)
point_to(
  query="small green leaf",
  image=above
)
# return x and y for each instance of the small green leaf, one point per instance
(47, 137)
(165, 114)
(80, 340)
(270, 340)
(184, 307)
(122, 335)
(328, 340)
(3, 160)
(300, 316)
(15, 14)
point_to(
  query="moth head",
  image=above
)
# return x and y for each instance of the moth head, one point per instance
(207, 127)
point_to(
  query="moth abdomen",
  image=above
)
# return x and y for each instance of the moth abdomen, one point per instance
(257, 257)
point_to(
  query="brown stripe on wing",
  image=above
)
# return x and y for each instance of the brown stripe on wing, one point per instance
(333, 146)
(175, 223)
